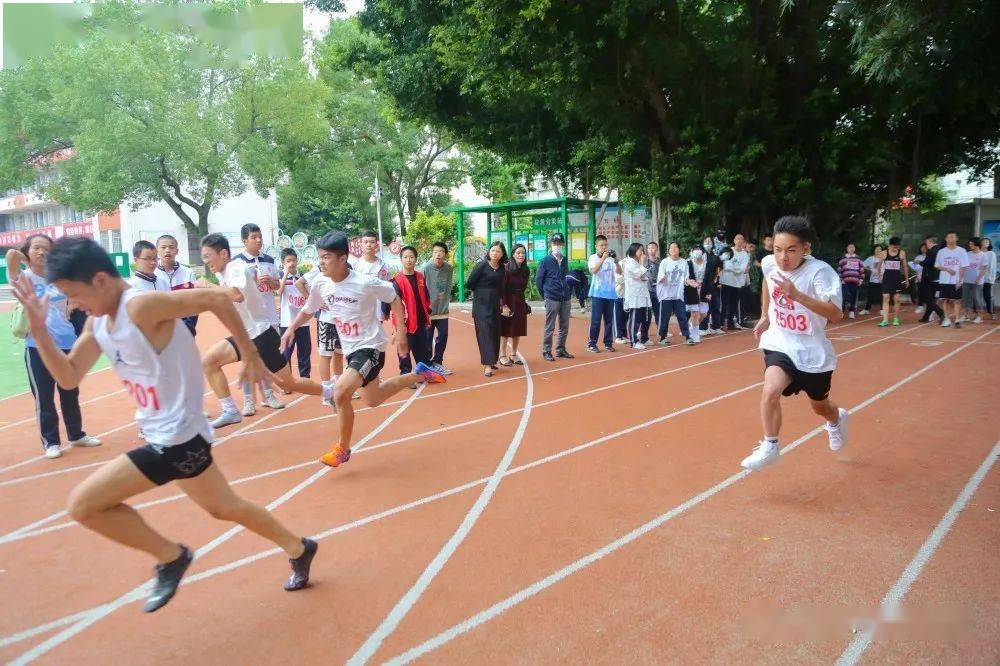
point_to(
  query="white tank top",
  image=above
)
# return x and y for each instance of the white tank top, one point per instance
(168, 388)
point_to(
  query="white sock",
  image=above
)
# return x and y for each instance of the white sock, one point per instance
(268, 394)
(247, 390)
(228, 404)
(771, 440)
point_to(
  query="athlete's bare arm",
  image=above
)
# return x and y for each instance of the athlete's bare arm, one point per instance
(67, 369)
(300, 284)
(765, 308)
(831, 311)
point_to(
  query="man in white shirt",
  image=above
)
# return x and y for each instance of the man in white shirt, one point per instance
(972, 283)
(951, 262)
(146, 277)
(176, 274)
(240, 281)
(604, 267)
(735, 271)
(369, 263)
(352, 298)
(267, 283)
(799, 296)
(873, 266)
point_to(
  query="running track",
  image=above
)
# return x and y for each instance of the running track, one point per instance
(588, 510)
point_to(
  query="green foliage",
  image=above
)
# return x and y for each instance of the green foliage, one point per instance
(431, 226)
(149, 124)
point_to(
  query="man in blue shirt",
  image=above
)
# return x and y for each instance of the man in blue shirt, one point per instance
(550, 278)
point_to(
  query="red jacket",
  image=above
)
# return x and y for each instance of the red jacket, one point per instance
(410, 299)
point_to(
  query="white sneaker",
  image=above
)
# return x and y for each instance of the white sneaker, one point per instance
(444, 370)
(764, 454)
(977, 320)
(53, 451)
(86, 441)
(962, 319)
(638, 346)
(920, 310)
(271, 400)
(838, 433)
(933, 317)
(851, 314)
(717, 331)
(738, 326)
(226, 418)
(863, 312)
(945, 323)
(249, 409)
(624, 341)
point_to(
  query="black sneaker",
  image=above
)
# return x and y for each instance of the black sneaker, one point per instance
(958, 324)
(300, 566)
(548, 356)
(168, 577)
(593, 349)
(564, 354)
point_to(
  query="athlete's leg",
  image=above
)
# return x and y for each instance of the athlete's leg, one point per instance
(337, 360)
(375, 394)
(212, 492)
(349, 382)
(886, 306)
(776, 380)
(221, 354)
(289, 382)
(98, 504)
(827, 409)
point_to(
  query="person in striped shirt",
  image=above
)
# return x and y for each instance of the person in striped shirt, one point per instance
(851, 272)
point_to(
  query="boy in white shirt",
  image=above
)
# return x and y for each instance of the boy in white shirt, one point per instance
(292, 301)
(176, 274)
(352, 298)
(734, 277)
(951, 261)
(972, 283)
(799, 295)
(146, 277)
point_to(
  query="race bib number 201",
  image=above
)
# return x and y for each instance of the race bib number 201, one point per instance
(144, 396)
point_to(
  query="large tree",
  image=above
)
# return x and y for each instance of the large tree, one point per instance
(726, 110)
(157, 116)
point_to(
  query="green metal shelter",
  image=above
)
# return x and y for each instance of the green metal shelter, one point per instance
(516, 218)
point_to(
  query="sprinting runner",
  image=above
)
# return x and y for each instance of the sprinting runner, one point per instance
(895, 272)
(951, 262)
(176, 274)
(268, 280)
(802, 295)
(157, 361)
(238, 280)
(331, 354)
(352, 298)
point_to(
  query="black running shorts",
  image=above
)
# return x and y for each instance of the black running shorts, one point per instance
(163, 464)
(368, 363)
(268, 345)
(815, 384)
(327, 338)
(949, 292)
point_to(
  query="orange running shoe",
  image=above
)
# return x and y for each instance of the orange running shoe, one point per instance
(336, 456)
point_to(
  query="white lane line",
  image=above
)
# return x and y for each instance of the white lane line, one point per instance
(314, 419)
(138, 592)
(526, 593)
(893, 599)
(28, 633)
(66, 448)
(408, 600)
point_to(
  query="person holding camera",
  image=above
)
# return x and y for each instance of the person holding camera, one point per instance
(603, 266)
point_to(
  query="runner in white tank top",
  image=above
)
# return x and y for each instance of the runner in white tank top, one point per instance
(799, 295)
(156, 357)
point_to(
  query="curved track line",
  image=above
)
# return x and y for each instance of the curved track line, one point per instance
(526, 593)
(403, 606)
(208, 573)
(94, 616)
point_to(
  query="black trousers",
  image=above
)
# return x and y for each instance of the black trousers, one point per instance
(439, 333)
(420, 349)
(730, 304)
(850, 297)
(43, 387)
(874, 295)
(927, 290)
(302, 344)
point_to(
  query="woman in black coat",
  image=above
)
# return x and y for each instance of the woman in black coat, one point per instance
(486, 282)
(514, 327)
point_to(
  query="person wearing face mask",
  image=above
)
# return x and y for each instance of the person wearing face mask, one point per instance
(719, 242)
(711, 323)
(694, 293)
(652, 269)
(550, 279)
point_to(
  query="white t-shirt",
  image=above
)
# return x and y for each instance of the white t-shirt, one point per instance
(602, 283)
(292, 301)
(956, 260)
(324, 315)
(873, 265)
(976, 262)
(670, 279)
(353, 303)
(734, 271)
(143, 283)
(636, 288)
(167, 388)
(376, 269)
(265, 268)
(795, 330)
(257, 307)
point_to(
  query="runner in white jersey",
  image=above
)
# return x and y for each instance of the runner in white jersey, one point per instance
(156, 358)
(238, 280)
(267, 284)
(800, 295)
(352, 299)
(331, 355)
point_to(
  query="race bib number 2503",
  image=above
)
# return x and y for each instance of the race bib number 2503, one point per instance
(793, 323)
